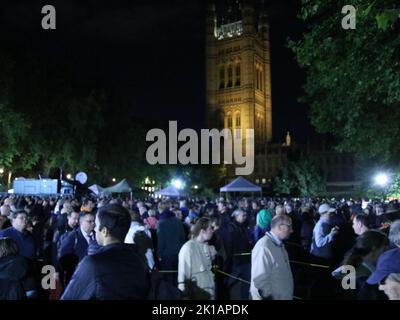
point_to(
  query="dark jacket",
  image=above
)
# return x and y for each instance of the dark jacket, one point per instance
(24, 241)
(170, 235)
(18, 269)
(74, 243)
(236, 241)
(115, 272)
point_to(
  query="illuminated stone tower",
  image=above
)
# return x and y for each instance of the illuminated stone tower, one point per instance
(238, 69)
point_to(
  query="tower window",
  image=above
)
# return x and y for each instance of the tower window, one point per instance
(237, 74)
(237, 120)
(257, 78)
(230, 76)
(222, 78)
(261, 80)
(229, 121)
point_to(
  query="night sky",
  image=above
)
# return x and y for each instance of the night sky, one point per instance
(150, 54)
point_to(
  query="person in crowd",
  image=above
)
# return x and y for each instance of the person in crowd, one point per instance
(61, 233)
(323, 236)
(77, 241)
(20, 235)
(16, 273)
(279, 210)
(271, 275)
(116, 271)
(263, 224)
(151, 221)
(224, 212)
(5, 222)
(363, 257)
(360, 224)
(307, 227)
(391, 286)
(140, 235)
(75, 245)
(237, 244)
(170, 239)
(389, 261)
(195, 276)
(88, 205)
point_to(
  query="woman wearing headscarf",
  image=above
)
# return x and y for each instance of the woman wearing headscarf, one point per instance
(263, 225)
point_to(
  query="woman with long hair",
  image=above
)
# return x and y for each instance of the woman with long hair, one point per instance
(195, 276)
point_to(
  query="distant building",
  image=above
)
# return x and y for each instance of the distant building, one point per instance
(239, 92)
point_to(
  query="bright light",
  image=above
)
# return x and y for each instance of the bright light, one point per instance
(196, 186)
(69, 176)
(1, 170)
(177, 183)
(113, 179)
(381, 179)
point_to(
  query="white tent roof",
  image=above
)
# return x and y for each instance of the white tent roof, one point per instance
(240, 184)
(96, 189)
(120, 187)
(170, 191)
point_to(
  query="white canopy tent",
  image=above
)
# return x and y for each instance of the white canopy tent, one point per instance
(97, 190)
(170, 191)
(120, 187)
(240, 184)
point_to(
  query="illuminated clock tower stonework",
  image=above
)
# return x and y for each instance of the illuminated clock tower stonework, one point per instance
(238, 70)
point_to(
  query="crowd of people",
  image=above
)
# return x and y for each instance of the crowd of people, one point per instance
(217, 249)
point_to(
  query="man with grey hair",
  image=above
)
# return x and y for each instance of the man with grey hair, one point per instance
(389, 261)
(279, 210)
(394, 233)
(271, 275)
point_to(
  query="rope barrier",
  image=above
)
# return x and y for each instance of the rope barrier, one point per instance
(231, 276)
(292, 261)
(225, 274)
(310, 264)
(293, 244)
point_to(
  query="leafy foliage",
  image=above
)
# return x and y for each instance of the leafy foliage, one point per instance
(353, 83)
(300, 178)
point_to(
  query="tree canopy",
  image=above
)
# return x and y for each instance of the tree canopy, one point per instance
(353, 82)
(300, 177)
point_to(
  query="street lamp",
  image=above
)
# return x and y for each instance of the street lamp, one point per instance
(382, 179)
(69, 176)
(177, 183)
(113, 179)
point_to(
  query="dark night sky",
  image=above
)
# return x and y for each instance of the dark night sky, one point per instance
(150, 54)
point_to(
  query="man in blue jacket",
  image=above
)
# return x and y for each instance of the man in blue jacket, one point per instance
(19, 234)
(77, 241)
(116, 271)
(323, 236)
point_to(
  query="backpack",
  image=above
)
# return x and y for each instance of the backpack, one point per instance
(62, 238)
